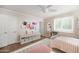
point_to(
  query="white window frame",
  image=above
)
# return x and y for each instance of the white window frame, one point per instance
(61, 29)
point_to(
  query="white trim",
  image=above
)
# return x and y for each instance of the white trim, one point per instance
(61, 29)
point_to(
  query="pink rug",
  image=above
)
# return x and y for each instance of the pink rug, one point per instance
(40, 49)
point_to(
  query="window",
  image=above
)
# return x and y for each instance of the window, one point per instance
(65, 24)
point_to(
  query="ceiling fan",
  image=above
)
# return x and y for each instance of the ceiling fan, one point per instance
(47, 8)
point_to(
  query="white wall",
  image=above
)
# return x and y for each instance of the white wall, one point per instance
(8, 29)
(10, 26)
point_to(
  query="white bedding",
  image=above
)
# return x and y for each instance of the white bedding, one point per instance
(66, 44)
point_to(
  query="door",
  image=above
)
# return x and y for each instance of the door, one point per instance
(8, 30)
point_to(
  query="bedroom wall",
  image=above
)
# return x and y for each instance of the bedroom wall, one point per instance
(75, 33)
(10, 26)
(46, 21)
(76, 28)
(31, 18)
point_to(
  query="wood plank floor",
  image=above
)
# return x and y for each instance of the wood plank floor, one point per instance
(15, 46)
(55, 50)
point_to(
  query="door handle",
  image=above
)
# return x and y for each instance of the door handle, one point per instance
(5, 32)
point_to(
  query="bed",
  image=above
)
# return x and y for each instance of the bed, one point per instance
(66, 44)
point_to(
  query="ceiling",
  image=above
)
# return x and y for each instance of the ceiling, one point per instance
(36, 10)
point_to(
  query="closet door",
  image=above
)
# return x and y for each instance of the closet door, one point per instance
(2, 32)
(8, 28)
(12, 29)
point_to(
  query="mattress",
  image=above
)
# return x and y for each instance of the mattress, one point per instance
(66, 44)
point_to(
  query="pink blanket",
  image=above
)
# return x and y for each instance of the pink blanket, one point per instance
(40, 49)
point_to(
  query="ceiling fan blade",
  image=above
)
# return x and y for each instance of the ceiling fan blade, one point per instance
(42, 8)
(45, 8)
(49, 6)
(52, 9)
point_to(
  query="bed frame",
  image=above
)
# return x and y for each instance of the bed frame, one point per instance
(66, 44)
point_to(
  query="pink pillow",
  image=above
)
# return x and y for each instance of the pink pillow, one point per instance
(40, 49)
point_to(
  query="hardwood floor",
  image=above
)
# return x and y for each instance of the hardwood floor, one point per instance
(55, 50)
(15, 46)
